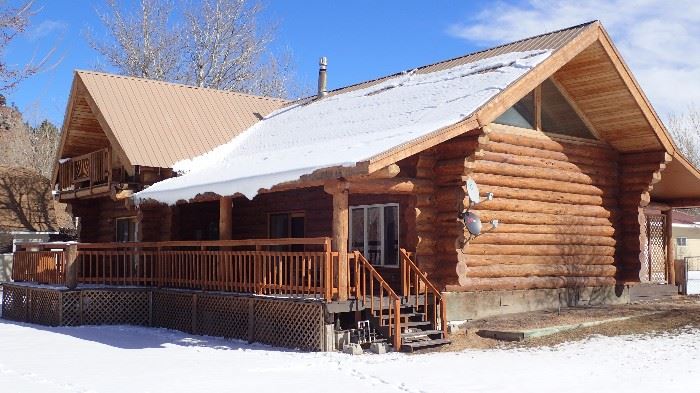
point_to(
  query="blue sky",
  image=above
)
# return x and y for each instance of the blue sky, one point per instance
(365, 39)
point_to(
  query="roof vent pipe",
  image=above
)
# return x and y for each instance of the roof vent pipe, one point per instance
(322, 92)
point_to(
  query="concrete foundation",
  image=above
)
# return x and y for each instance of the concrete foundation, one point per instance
(463, 306)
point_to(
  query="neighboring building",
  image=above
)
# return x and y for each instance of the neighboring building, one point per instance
(583, 173)
(686, 234)
(28, 211)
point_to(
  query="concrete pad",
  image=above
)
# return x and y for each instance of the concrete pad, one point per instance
(510, 335)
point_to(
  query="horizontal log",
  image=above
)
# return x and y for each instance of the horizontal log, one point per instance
(520, 283)
(425, 200)
(543, 238)
(454, 166)
(542, 184)
(641, 168)
(508, 217)
(495, 271)
(424, 214)
(640, 178)
(388, 172)
(548, 249)
(549, 163)
(570, 148)
(495, 168)
(519, 205)
(645, 158)
(390, 186)
(552, 155)
(594, 230)
(486, 260)
(544, 196)
(457, 147)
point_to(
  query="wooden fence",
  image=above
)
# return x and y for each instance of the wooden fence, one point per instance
(42, 266)
(263, 266)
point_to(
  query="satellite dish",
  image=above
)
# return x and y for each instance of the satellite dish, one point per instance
(473, 223)
(472, 191)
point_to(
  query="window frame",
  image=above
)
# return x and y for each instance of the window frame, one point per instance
(290, 214)
(382, 231)
(684, 239)
(537, 113)
(137, 229)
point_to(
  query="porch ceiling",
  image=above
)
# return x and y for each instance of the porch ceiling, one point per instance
(679, 185)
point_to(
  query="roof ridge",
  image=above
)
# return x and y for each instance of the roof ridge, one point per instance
(182, 85)
(464, 55)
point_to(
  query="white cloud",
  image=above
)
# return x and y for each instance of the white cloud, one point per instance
(47, 28)
(659, 40)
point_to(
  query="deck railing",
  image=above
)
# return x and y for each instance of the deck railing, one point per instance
(367, 285)
(41, 266)
(85, 171)
(265, 266)
(418, 289)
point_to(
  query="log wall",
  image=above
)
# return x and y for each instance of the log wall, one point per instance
(570, 211)
(639, 172)
(98, 219)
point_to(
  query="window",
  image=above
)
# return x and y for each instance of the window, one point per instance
(522, 114)
(681, 241)
(126, 229)
(556, 114)
(374, 231)
(284, 225)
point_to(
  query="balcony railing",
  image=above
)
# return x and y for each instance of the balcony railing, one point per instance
(85, 172)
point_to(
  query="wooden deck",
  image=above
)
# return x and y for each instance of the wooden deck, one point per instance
(264, 267)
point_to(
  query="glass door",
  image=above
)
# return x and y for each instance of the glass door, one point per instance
(374, 231)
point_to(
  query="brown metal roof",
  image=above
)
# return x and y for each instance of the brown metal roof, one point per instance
(159, 123)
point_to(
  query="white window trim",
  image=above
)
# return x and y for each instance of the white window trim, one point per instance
(381, 233)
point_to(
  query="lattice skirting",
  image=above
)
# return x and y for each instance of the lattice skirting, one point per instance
(281, 322)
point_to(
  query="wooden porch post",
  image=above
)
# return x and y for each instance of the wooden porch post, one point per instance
(70, 255)
(339, 190)
(225, 218)
(670, 252)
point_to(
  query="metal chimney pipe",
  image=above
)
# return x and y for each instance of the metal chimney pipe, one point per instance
(322, 63)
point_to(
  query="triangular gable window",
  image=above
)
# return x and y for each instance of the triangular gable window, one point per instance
(522, 114)
(557, 116)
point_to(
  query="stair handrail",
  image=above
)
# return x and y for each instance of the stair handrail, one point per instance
(360, 268)
(415, 282)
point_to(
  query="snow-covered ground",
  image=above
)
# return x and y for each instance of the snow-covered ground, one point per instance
(131, 359)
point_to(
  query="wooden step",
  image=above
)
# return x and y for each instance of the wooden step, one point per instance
(421, 333)
(424, 344)
(404, 315)
(415, 324)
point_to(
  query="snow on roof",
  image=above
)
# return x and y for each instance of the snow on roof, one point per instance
(343, 129)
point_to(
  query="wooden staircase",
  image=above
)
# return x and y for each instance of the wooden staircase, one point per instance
(411, 321)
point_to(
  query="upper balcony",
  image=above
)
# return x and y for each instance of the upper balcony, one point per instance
(88, 174)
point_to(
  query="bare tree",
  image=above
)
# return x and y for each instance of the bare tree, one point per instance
(685, 130)
(14, 21)
(140, 43)
(27, 147)
(217, 44)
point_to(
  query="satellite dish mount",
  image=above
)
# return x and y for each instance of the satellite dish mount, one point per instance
(470, 220)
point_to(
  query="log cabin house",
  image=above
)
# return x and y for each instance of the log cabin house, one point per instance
(315, 215)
